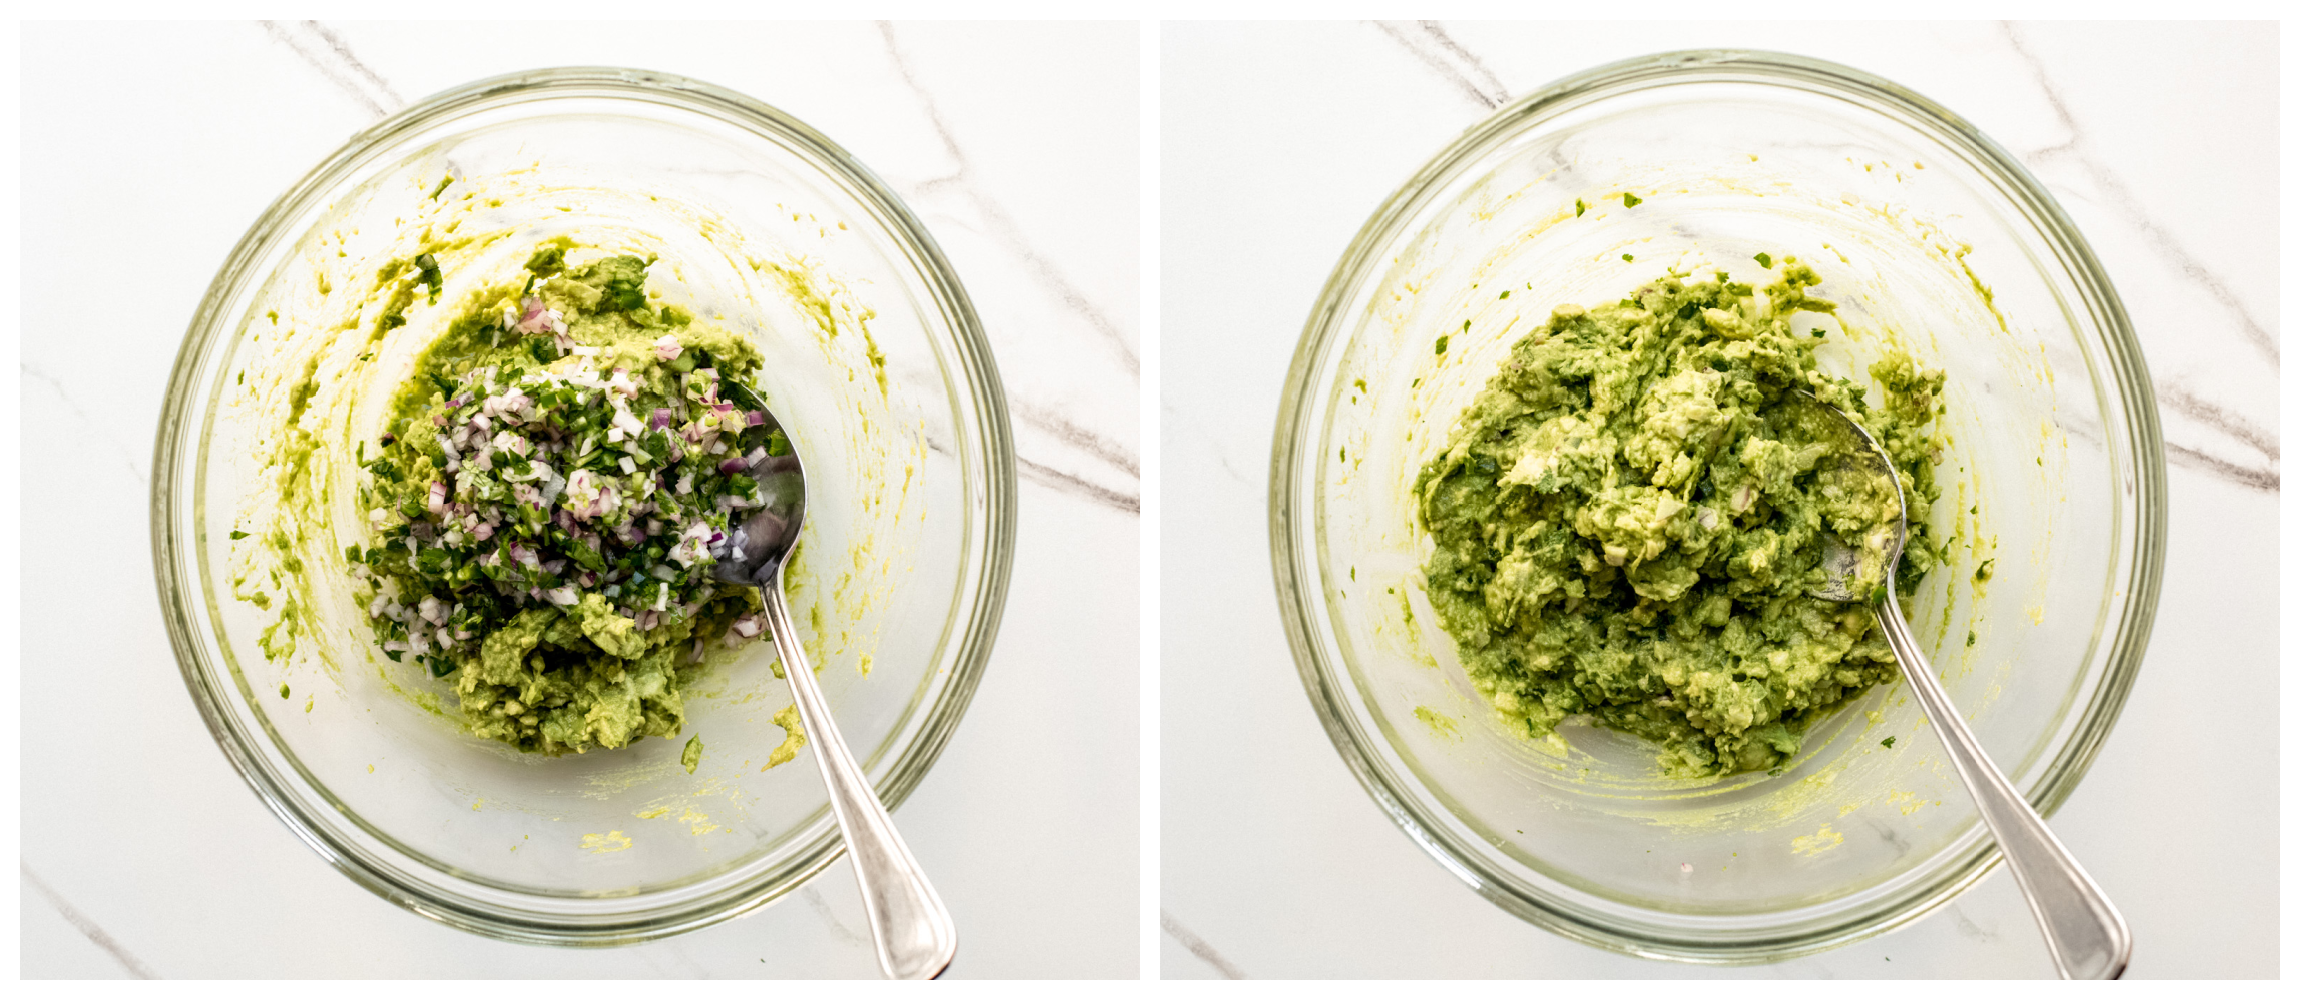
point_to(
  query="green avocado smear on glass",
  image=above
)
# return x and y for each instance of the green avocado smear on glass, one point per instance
(546, 505)
(1629, 519)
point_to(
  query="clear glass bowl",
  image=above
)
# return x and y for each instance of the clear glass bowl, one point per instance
(875, 359)
(1926, 234)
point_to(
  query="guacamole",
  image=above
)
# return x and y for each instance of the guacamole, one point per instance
(1629, 520)
(555, 483)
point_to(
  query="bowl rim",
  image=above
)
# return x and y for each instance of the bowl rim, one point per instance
(988, 489)
(1293, 531)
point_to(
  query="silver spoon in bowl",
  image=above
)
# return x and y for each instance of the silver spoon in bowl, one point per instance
(909, 924)
(2088, 939)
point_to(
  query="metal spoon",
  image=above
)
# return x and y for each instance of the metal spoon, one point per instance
(2087, 937)
(909, 924)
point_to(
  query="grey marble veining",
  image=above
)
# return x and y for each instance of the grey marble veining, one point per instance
(327, 53)
(1058, 450)
(1198, 948)
(2234, 446)
(96, 935)
(1427, 41)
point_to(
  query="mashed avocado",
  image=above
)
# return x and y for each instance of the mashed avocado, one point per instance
(1629, 520)
(554, 486)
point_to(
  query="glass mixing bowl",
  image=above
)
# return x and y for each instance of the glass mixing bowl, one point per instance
(874, 358)
(1927, 235)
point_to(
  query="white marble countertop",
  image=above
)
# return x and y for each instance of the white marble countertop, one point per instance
(145, 854)
(1279, 140)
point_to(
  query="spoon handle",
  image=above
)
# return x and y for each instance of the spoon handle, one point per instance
(2087, 937)
(909, 924)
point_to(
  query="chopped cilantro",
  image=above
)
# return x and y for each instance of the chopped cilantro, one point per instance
(1441, 342)
(1765, 260)
(1629, 200)
(427, 271)
(1888, 742)
(626, 294)
(1579, 207)
(585, 510)
(237, 535)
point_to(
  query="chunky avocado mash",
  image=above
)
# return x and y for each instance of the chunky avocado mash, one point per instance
(1629, 521)
(546, 505)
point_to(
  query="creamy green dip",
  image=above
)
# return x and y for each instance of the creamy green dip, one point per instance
(555, 481)
(1629, 520)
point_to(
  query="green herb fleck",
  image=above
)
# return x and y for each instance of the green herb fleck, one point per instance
(1888, 743)
(1629, 200)
(1628, 257)
(443, 183)
(427, 268)
(1818, 333)
(1970, 638)
(1579, 207)
(692, 755)
(1765, 260)
(1986, 569)
(237, 535)
(1442, 342)
(628, 294)
(283, 691)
